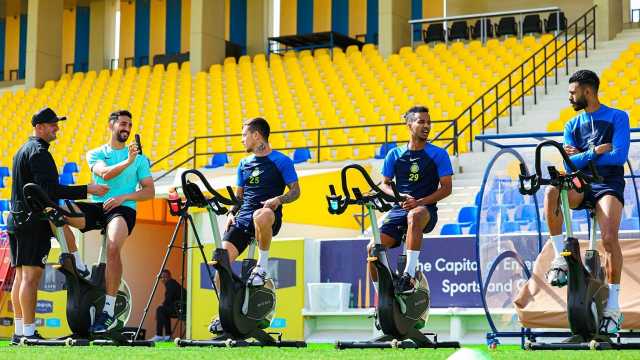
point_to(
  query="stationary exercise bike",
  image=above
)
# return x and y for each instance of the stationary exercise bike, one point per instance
(587, 289)
(84, 297)
(245, 311)
(399, 317)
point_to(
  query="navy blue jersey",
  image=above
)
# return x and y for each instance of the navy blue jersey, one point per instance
(417, 172)
(606, 125)
(263, 178)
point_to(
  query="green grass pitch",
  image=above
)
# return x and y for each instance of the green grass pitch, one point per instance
(313, 351)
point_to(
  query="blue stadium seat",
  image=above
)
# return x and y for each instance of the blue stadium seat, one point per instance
(4, 205)
(473, 229)
(467, 216)
(509, 227)
(493, 211)
(534, 227)
(629, 224)
(451, 229)
(70, 167)
(4, 171)
(66, 179)
(301, 155)
(382, 151)
(580, 214)
(217, 160)
(525, 213)
(512, 196)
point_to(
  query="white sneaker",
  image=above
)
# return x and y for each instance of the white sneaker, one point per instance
(258, 276)
(557, 274)
(611, 321)
(158, 338)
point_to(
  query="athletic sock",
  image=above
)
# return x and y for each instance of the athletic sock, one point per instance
(614, 295)
(18, 326)
(109, 304)
(263, 258)
(558, 243)
(79, 263)
(412, 262)
(29, 329)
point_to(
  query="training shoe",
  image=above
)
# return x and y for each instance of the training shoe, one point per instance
(611, 321)
(406, 284)
(215, 327)
(258, 276)
(557, 274)
(104, 323)
(15, 339)
(36, 336)
(84, 273)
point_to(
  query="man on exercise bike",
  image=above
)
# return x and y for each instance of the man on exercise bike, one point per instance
(122, 168)
(601, 134)
(261, 180)
(423, 174)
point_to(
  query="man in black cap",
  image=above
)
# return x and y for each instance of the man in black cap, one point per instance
(29, 238)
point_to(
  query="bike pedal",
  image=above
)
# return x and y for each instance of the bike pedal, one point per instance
(565, 253)
(372, 258)
(212, 263)
(56, 266)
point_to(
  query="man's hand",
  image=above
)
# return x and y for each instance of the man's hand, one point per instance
(97, 189)
(570, 150)
(603, 148)
(133, 153)
(409, 203)
(231, 220)
(272, 203)
(112, 203)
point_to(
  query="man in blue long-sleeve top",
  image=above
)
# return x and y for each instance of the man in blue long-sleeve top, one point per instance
(601, 134)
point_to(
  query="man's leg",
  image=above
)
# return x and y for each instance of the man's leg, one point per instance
(553, 213)
(609, 214)
(387, 241)
(15, 301)
(117, 232)
(29, 296)
(78, 223)
(263, 220)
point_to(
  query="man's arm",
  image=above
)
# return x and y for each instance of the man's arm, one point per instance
(385, 186)
(446, 185)
(290, 196)
(101, 169)
(45, 174)
(619, 144)
(147, 191)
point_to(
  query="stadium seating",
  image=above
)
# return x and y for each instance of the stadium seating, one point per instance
(619, 87)
(301, 90)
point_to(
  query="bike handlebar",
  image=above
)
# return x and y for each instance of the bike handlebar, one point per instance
(556, 178)
(196, 198)
(375, 196)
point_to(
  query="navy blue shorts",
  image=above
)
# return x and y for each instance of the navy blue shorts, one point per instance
(241, 234)
(598, 190)
(395, 224)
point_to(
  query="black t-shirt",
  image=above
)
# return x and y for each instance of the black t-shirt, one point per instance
(173, 293)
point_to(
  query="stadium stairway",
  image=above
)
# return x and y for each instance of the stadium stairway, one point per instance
(467, 182)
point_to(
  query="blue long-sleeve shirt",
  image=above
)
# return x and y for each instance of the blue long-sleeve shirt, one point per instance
(605, 125)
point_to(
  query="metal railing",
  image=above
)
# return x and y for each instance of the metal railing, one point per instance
(484, 112)
(313, 135)
(483, 17)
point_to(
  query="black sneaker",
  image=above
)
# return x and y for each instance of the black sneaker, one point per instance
(36, 336)
(15, 339)
(104, 323)
(406, 284)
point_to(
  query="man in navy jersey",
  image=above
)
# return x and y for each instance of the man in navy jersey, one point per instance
(601, 134)
(262, 178)
(422, 173)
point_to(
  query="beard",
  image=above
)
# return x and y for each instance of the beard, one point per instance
(123, 136)
(579, 104)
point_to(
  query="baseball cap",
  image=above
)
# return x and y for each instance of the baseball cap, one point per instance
(46, 116)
